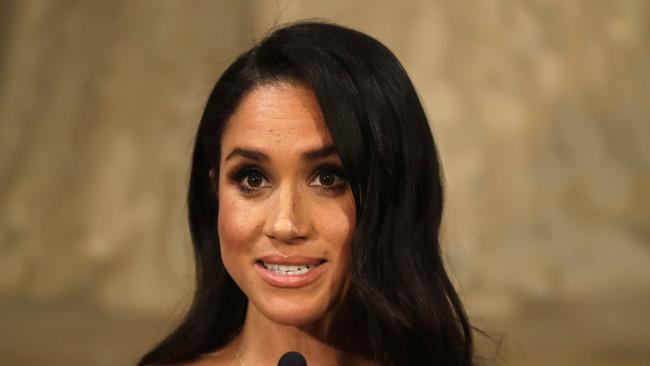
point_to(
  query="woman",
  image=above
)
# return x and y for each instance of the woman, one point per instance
(315, 202)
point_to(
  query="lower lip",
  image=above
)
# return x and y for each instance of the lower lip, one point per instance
(280, 280)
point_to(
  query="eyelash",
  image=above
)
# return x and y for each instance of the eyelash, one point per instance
(239, 174)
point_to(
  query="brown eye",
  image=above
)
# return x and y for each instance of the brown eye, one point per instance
(255, 179)
(250, 179)
(327, 178)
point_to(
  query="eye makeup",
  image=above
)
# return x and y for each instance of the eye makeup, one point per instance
(251, 179)
(329, 178)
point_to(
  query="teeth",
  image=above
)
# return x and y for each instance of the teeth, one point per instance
(289, 270)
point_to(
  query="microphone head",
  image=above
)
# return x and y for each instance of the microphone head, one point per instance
(292, 359)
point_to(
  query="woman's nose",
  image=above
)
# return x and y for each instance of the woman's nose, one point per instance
(287, 220)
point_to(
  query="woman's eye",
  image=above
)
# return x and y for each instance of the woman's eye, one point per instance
(251, 179)
(255, 179)
(328, 179)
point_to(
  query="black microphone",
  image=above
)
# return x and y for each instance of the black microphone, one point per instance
(292, 359)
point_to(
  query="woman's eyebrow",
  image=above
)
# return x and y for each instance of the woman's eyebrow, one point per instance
(255, 155)
(249, 154)
(320, 153)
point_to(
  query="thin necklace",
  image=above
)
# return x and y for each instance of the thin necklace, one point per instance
(238, 357)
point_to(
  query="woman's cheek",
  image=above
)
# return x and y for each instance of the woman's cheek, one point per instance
(338, 221)
(336, 224)
(237, 230)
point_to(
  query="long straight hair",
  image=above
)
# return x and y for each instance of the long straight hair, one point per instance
(408, 308)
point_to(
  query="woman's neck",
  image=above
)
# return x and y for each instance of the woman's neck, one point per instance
(327, 342)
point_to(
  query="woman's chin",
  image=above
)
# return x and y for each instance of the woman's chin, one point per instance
(292, 314)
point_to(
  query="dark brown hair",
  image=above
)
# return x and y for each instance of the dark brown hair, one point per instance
(410, 312)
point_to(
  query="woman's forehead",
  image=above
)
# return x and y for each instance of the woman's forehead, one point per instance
(277, 115)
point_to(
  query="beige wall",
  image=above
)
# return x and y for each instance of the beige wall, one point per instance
(541, 110)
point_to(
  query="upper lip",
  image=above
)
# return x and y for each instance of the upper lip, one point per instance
(290, 260)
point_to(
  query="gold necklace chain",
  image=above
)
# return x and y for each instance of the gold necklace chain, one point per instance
(238, 357)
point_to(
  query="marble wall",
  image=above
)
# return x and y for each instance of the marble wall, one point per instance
(541, 110)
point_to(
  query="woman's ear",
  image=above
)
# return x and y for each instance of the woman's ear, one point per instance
(214, 181)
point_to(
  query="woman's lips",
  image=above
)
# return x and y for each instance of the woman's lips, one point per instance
(294, 280)
(293, 260)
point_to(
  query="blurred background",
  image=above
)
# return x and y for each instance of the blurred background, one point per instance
(541, 110)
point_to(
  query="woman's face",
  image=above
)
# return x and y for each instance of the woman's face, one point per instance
(286, 212)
